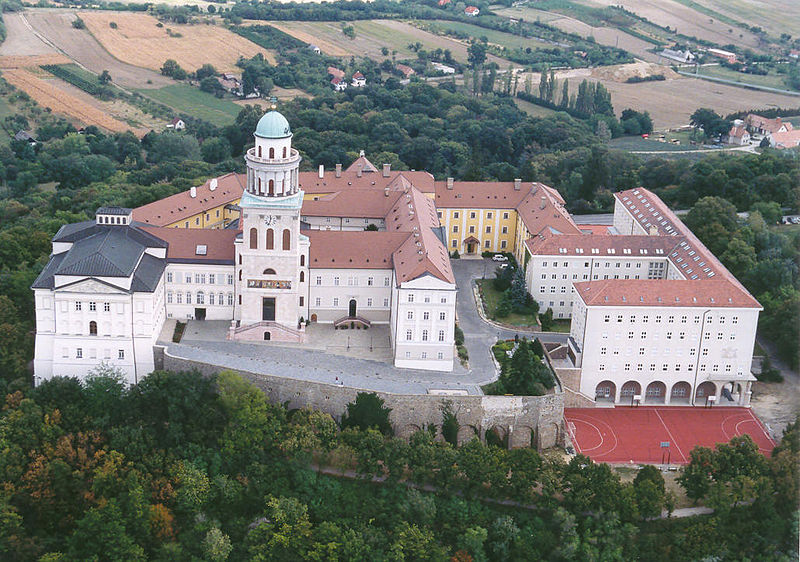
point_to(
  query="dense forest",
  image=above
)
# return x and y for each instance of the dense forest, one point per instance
(182, 467)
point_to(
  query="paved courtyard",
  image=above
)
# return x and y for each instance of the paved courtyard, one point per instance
(357, 358)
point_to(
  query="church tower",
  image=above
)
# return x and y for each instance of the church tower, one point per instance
(271, 254)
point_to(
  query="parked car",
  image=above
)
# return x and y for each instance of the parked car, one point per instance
(499, 257)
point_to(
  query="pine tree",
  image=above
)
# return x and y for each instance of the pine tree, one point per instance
(551, 86)
(519, 293)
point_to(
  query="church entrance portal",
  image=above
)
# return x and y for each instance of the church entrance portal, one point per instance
(352, 308)
(268, 309)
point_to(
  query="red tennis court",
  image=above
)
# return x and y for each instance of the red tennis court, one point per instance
(625, 434)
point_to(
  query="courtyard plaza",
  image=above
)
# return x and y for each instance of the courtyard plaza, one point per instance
(357, 358)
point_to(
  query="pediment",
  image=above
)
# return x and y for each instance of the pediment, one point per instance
(91, 286)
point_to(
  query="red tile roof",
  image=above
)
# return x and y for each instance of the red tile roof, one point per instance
(364, 203)
(479, 195)
(789, 139)
(182, 205)
(766, 124)
(353, 249)
(184, 242)
(310, 182)
(543, 209)
(664, 292)
(589, 245)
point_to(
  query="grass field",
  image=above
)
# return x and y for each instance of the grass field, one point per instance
(532, 109)
(497, 37)
(491, 298)
(190, 100)
(774, 16)
(771, 80)
(139, 41)
(638, 144)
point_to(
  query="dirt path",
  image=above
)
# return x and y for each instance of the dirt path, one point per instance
(20, 38)
(777, 404)
(79, 45)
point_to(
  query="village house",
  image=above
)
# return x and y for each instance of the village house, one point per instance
(406, 70)
(720, 54)
(443, 68)
(177, 124)
(679, 56)
(763, 125)
(472, 11)
(784, 139)
(338, 84)
(315, 49)
(358, 80)
(738, 135)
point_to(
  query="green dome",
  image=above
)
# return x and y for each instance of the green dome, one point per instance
(273, 125)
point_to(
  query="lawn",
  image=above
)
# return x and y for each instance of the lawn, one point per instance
(188, 99)
(771, 80)
(490, 299)
(638, 144)
(534, 110)
(497, 37)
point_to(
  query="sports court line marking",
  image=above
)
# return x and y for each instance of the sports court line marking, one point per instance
(761, 427)
(600, 433)
(670, 435)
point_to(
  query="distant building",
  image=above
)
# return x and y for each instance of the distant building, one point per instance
(315, 49)
(358, 80)
(472, 11)
(443, 68)
(785, 139)
(720, 54)
(338, 84)
(763, 125)
(679, 56)
(335, 72)
(177, 123)
(444, 2)
(738, 135)
(23, 135)
(406, 70)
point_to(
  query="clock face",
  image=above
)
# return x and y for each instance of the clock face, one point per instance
(269, 220)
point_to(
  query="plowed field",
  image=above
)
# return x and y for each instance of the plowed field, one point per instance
(61, 102)
(139, 41)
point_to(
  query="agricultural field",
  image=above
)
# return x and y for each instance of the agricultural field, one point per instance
(532, 109)
(492, 36)
(80, 46)
(371, 36)
(774, 16)
(608, 36)
(59, 101)
(687, 20)
(140, 40)
(771, 80)
(188, 99)
(20, 39)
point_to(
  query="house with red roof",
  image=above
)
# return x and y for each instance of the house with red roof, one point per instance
(472, 11)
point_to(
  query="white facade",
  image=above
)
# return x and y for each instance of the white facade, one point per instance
(339, 293)
(199, 291)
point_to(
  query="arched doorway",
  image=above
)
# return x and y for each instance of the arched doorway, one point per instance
(629, 390)
(313, 317)
(606, 391)
(681, 392)
(655, 393)
(92, 328)
(704, 390)
(267, 336)
(352, 311)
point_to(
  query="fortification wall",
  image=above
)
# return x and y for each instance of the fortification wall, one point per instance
(524, 420)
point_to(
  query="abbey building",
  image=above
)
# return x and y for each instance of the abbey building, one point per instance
(654, 315)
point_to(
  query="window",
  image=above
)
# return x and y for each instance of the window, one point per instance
(472, 215)
(502, 244)
(121, 354)
(302, 260)
(505, 215)
(106, 307)
(385, 281)
(78, 306)
(210, 298)
(179, 297)
(489, 215)
(472, 230)
(410, 315)
(442, 315)
(188, 276)
(424, 355)
(440, 355)
(169, 277)
(335, 301)
(221, 299)
(441, 335)
(302, 276)
(455, 243)
(319, 280)
(369, 302)
(253, 239)
(287, 239)
(270, 239)
(424, 335)
(426, 315)
(455, 214)
(410, 297)
(336, 280)
(370, 281)
(606, 318)
(92, 328)
(230, 299)
(230, 279)
(317, 301)
(302, 301)
(169, 297)
(408, 335)
(385, 302)
(212, 279)
(201, 297)
(79, 353)
(455, 228)
(188, 297)
(488, 230)
(486, 244)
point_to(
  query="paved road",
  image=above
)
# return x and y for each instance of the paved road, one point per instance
(313, 365)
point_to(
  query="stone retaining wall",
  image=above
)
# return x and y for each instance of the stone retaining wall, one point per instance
(524, 421)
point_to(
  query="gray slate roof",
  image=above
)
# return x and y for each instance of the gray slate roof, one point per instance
(114, 211)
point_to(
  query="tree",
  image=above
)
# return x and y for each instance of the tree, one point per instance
(205, 71)
(450, 425)
(712, 124)
(714, 221)
(216, 149)
(105, 77)
(367, 411)
(695, 477)
(546, 320)
(518, 291)
(172, 69)
(216, 545)
(476, 54)
(649, 490)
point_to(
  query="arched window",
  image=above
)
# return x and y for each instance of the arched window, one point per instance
(271, 186)
(260, 189)
(270, 239)
(302, 276)
(240, 275)
(271, 153)
(253, 239)
(269, 271)
(201, 297)
(287, 239)
(259, 152)
(92, 328)
(284, 152)
(302, 260)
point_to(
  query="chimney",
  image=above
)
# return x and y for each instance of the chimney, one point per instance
(449, 183)
(386, 191)
(359, 171)
(321, 171)
(653, 231)
(386, 169)
(212, 185)
(361, 154)
(338, 170)
(193, 192)
(543, 204)
(517, 184)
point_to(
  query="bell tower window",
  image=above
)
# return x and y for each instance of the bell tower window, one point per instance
(253, 239)
(270, 239)
(271, 153)
(259, 152)
(271, 185)
(284, 152)
(287, 239)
